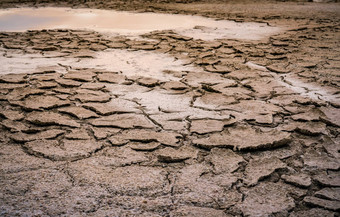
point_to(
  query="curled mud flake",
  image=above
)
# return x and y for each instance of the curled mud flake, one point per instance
(103, 133)
(117, 157)
(207, 61)
(322, 161)
(81, 75)
(207, 126)
(175, 74)
(327, 204)
(220, 69)
(225, 179)
(224, 160)
(171, 155)
(67, 150)
(46, 84)
(148, 82)
(239, 93)
(84, 54)
(181, 37)
(244, 138)
(112, 78)
(84, 96)
(68, 82)
(259, 169)
(315, 212)
(266, 199)
(214, 101)
(331, 147)
(108, 211)
(244, 74)
(93, 86)
(226, 50)
(116, 45)
(331, 116)
(149, 146)
(300, 180)
(13, 78)
(174, 85)
(98, 47)
(223, 85)
(13, 115)
(46, 73)
(310, 115)
(3, 93)
(143, 47)
(278, 68)
(306, 128)
(282, 153)
(255, 107)
(329, 194)
(171, 121)
(195, 79)
(192, 211)
(48, 134)
(114, 106)
(14, 126)
(117, 141)
(44, 48)
(22, 93)
(61, 90)
(41, 102)
(165, 138)
(50, 118)
(62, 96)
(331, 180)
(124, 121)
(264, 87)
(78, 134)
(265, 119)
(79, 112)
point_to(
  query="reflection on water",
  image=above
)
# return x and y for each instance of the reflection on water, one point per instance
(16, 22)
(127, 23)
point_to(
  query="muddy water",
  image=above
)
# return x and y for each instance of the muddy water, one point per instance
(127, 23)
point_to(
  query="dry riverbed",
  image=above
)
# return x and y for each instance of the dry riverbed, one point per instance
(164, 123)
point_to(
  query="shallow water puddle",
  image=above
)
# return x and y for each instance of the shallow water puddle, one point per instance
(127, 23)
(129, 63)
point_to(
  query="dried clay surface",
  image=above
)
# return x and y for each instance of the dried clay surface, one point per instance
(233, 128)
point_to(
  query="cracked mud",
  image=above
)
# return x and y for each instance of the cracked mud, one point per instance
(226, 127)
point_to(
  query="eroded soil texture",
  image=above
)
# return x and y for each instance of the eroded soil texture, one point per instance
(245, 128)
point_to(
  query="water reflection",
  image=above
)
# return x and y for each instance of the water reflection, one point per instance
(127, 23)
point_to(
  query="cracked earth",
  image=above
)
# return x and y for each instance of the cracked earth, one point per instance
(249, 128)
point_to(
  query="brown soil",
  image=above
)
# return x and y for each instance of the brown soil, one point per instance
(234, 139)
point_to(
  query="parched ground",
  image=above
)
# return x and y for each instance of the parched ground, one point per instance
(254, 132)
